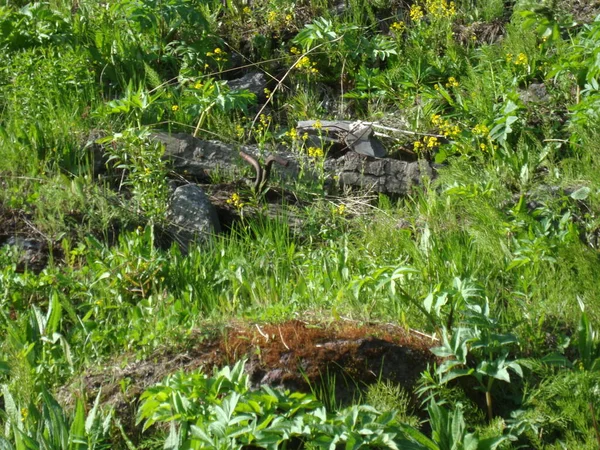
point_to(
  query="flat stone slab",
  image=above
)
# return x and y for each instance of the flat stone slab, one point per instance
(201, 160)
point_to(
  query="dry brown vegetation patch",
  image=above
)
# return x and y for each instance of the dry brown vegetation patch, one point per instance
(295, 355)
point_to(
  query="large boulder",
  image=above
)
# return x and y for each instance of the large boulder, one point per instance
(192, 216)
(255, 82)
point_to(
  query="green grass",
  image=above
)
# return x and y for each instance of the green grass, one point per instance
(502, 242)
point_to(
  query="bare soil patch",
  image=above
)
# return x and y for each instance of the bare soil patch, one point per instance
(293, 355)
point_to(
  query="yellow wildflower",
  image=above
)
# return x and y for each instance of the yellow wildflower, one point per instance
(292, 134)
(239, 130)
(318, 125)
(481, 130)
(440, 8)
(198, 85)
(452, 82)
(235, 201)
(341, 209)
(431, 141)
(175, 108)
(417, 145)
(294, 51)
(315, 152)
(398, 27)
(521, 59)
(416, 13)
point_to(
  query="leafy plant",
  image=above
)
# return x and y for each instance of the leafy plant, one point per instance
(48, 426)
(481, 338)
(222, 412)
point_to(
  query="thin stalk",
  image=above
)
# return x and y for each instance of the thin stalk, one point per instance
(201, 119)
(488, 399)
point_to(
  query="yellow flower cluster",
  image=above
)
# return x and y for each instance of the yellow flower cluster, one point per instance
(175, 108)
(292, 134)
(317, 125)
(235, 201)
(264, 122)
(239, 131)
(440, 8)
(308, 66)
(341, 209)
(398, 27)
(480, 130)
(446, 128)
(271, 17)
(315, 152)
(294, 51)
(520, 60)
(267, 92)
(198, 85)
(429, 142)
(452, 83)
(217, 54)
(416, 13)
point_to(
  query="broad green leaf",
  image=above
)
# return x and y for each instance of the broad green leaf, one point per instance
(91, 417)
(77, 430)
(556, 359)
(581, 194)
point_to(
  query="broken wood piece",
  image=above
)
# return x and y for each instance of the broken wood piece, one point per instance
(357, 136)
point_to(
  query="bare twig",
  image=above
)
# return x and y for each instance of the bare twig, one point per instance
(262, 333)
(282, 341)
(397, 130)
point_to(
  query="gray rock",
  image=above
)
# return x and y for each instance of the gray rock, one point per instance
(385, 175)
(33, 253)
(255, 82)
(199, 159)
(192, 216)
(535, 93)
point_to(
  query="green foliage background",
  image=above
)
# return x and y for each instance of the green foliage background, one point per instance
(497, 256)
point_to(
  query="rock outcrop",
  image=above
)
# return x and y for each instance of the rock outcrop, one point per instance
(192, 217)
